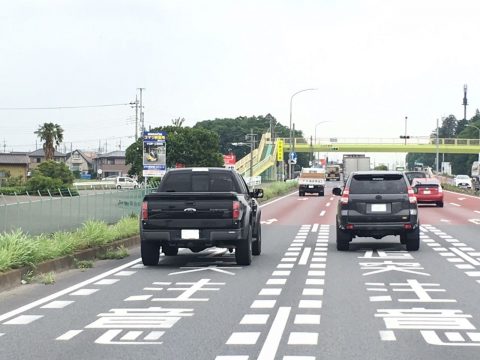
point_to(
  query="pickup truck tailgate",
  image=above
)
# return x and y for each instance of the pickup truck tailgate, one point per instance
(190, 210)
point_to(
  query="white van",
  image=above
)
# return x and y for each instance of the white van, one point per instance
(124, 182)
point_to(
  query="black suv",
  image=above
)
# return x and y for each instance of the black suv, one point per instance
(376, 204)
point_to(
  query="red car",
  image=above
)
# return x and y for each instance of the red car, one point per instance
(428, 190)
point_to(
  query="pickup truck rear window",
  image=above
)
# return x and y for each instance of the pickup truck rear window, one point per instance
(378, 184)
(198, 182)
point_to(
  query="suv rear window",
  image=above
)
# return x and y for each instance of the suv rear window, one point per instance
(198, 182)
(378, 184)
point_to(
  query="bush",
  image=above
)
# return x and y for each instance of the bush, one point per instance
(12, 190)
(55, 170)
(40, 182)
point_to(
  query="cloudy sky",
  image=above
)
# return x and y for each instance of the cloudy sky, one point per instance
(373, 62)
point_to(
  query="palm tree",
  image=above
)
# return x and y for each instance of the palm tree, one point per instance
(178, 122)
(52, 135)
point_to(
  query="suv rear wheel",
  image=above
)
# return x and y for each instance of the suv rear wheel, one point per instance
(413, 240)
(343, 240)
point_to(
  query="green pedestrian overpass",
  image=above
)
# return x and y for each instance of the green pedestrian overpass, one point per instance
(262, 161)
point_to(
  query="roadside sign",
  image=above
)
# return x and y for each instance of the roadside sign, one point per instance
(279, 150)
(154, 153)
(293, 156)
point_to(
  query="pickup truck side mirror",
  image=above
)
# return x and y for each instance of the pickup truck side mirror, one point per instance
(337, 191)
(257, 193)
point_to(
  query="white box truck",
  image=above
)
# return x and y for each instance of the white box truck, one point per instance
(354, 163)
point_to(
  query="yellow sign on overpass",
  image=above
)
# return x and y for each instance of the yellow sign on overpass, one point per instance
(412, 145)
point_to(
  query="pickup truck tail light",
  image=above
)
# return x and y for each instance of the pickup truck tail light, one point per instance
(344, 198)
(411, 196)
(144, 210)
(236, 212)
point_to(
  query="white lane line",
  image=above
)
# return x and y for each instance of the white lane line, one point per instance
(316, 273)
(465, 266)
(455, 260)
(307, 319)
(254, 319)
(23, 320)
(314, 228)
(57, 304)
(138, 298)
(276, 281)
(65, 291)
(315, 282)
(131, 335)
(154, 335)
(125, 273)
(289, 259)
(318, 266)
(305, 255)
(387, 335)
(84, 292)
(473, 273)
(310, 304)
(312, 292)
(281, 273)
(322, 213)
(285, 266)
(292, 253)
(477, 211)
(270, 291)
(69, 335)
(303, 338)
(466, 257)
(270, 347)
(243, 338)
(454, 336)
(380, 298)
(327, 204)
(107, 281)
(263, 304)
(455, 204)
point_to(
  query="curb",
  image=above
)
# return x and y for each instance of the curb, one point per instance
(13, 278)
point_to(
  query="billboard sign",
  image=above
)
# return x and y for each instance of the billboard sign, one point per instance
(154, 153)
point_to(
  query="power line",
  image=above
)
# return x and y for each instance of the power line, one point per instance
(63, 107)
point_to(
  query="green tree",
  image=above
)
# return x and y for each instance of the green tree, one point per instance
(52, 135)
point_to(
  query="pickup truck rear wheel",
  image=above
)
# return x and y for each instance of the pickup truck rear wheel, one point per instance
(169, 250)
(243, 251)
(150, 253)
(257, 243)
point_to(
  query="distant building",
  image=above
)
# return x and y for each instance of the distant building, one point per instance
(38, 156)
(79, 161)
(14, 164)
(112, 163)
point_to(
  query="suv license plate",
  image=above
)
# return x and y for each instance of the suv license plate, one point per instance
(190, 234)
(310, 186)
(379, 208)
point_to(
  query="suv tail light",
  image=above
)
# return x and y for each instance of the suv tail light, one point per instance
(411, 196)
(344, 198)
(236, 210)
(144, 210)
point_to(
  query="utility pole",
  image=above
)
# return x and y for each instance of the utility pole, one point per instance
(437, 157)
(136, 116)
(465, 102)
(141, 111)
(4, 145)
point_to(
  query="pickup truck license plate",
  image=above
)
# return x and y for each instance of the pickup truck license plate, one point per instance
(310, 186)
(379, 207)
(190, 234)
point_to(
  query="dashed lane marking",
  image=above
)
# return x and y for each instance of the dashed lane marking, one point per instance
(254, 319)
(276, 281)
(263, 304)
(322, 213)
(303, 338)
(107, 281)
(307, 319)
(305, 255)
(57, 304)
(84, 292)
(23, 320)
(69, 335)
(243, 338)
(455, 204)
(270, 347)
(270, 291)
(315, 228)
(465, 257)
(387, 335)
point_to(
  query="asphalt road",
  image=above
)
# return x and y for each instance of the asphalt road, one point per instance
(299, 300)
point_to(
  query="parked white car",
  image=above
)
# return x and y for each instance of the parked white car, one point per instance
(463, 181)
(124, 182)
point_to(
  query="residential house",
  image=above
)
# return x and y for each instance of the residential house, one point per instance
(79, 161)
(13, 164)
(112, 163)
(38, 156)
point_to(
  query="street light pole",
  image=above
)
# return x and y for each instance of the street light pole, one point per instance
(315, 136)
(406, 117)
(476, 127)
(291, 133)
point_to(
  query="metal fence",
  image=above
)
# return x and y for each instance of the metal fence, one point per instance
(46, 214)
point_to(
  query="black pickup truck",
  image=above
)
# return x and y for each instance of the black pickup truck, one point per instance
(197, 208)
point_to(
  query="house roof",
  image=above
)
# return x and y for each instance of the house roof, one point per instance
(40, 152)
(82, 154)
(14, 159)
(117, 154)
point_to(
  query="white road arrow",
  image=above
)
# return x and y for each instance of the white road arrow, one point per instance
(475, 221)
(213, 268)
(268, 222)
